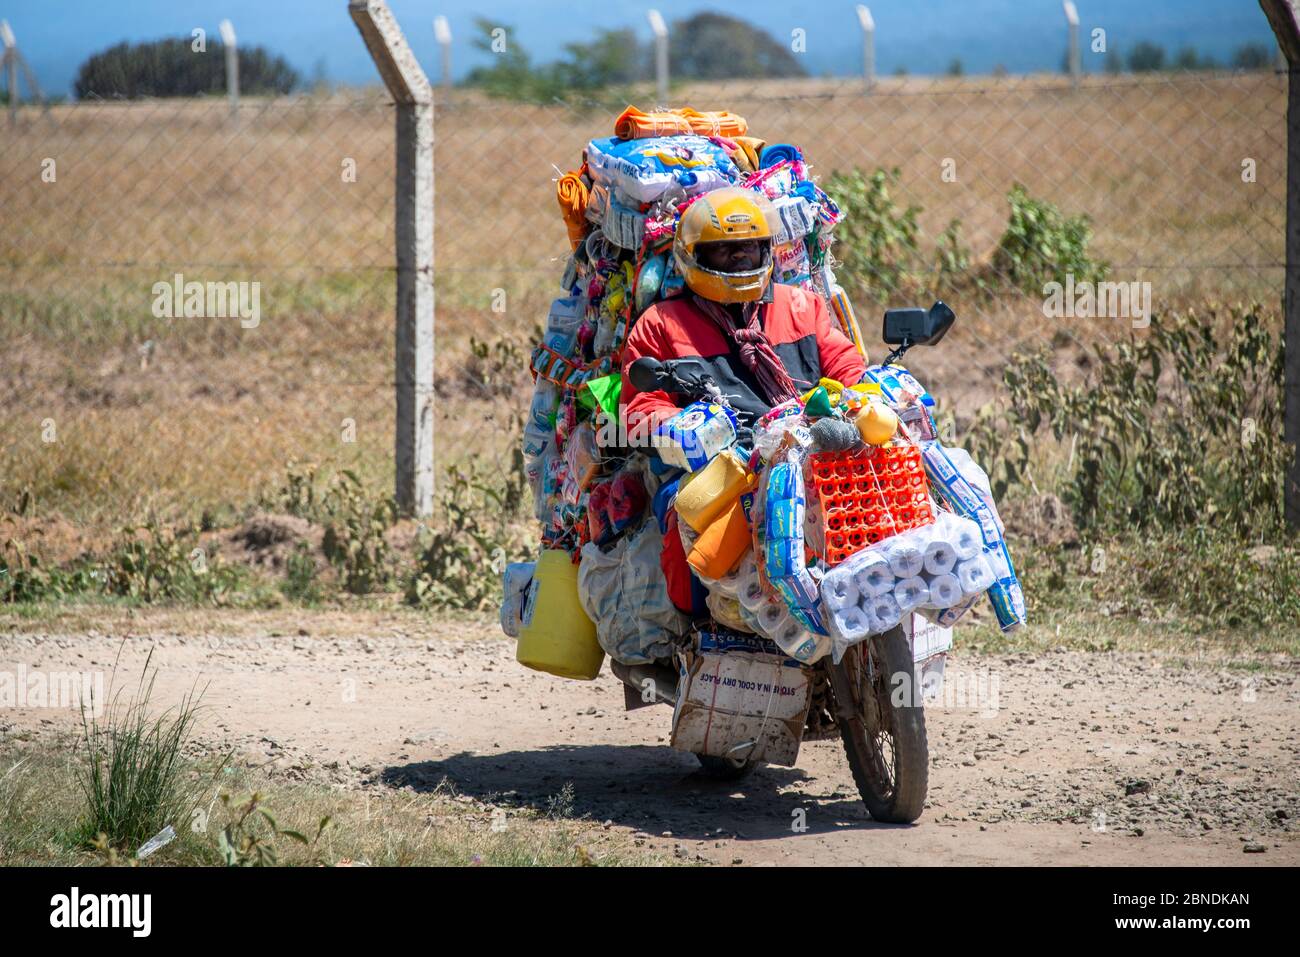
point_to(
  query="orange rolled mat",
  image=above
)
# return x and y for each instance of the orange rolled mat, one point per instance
(635, 124)
(571, 193)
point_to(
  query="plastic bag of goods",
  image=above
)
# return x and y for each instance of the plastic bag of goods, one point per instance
(624, 592)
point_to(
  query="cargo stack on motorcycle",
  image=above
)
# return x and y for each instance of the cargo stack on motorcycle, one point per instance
(840, 516)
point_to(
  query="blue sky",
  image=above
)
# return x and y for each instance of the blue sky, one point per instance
(923, 35)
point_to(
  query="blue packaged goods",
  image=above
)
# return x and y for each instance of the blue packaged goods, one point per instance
(642, 170)
(796, 218)
(894, 381)
(964, 498)
(784, 518)
(782, 556)
(692, 437)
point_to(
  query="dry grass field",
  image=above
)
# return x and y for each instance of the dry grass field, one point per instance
(182, 415)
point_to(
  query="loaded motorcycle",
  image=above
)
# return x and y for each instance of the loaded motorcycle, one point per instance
(870, 697)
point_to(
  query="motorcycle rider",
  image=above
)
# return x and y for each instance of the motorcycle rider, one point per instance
(762, 342)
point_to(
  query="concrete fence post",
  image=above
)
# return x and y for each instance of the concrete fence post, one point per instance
(867, 24)
(1284, 17)
(413, 96)
(231, 46)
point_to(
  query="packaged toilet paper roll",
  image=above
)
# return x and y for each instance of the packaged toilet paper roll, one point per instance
(796, 640)
(939, 556)
(974, 575)
(772, 616)
(873, 577)
(838, 591)
(965, 537)
(850, 624)
(749, 590)
(883, 612)
(945, 591)
(911, 593)
(729, 584)
(905, 559)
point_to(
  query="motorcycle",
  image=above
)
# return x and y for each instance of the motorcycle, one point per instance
(883, 731)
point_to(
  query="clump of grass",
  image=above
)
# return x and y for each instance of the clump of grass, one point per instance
(134, 778)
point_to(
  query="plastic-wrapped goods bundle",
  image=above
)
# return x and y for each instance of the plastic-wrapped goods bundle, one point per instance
(783, 542)
(726, 611)
(965, 488)
(515, 583)
(539, 431)
(749, 586)
(933, 567)
(643, 169)
(773, 621)
(692, 437)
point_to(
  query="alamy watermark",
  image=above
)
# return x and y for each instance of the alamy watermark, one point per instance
(1098, 300)
(33, 688)
(179, 299)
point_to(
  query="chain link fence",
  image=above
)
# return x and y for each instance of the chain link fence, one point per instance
(109, 210)
(1182, 178)
(191, 298)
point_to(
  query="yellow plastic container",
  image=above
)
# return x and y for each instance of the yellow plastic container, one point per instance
(557, 636)
(705, 493)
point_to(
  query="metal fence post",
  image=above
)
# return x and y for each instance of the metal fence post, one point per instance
(413, 95)
(1284, 17)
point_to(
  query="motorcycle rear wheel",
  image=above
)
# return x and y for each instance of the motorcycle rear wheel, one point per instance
(884, 739)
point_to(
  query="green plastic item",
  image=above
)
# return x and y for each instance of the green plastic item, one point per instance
(818, 404)
(602, 393)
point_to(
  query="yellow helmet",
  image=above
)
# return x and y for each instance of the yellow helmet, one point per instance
(730, 214)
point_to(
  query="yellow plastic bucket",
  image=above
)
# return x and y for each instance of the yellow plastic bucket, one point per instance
(557, 636)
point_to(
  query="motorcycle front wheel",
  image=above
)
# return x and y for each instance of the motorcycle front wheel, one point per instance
(879, 709)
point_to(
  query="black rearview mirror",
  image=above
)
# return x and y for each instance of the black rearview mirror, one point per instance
(915, 327)
(644, 374)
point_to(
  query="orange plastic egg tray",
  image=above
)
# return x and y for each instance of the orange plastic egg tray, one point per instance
(867, 496)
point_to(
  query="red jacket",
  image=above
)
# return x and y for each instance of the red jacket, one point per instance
(797, 324)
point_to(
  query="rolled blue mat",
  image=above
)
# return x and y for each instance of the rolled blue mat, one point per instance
(778, 153)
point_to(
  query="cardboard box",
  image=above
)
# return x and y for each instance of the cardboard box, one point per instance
(741, 690)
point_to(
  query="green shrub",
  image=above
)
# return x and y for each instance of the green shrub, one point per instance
(952, 257)
(877, 241)
(24, 579)
(150, 563)
(1173, 430)
(300, 582)
(354, 541)
(1042, 244)
(1203, 576)
(475, 532)
(354, 520)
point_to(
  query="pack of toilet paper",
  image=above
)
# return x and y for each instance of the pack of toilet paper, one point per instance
(936, 566)
(774, 619)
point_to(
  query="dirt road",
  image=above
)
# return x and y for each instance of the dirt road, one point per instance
(1059, 758)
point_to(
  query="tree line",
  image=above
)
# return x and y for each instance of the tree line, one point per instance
(174, 67)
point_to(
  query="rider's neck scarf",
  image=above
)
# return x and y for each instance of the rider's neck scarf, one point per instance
(754, 348)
